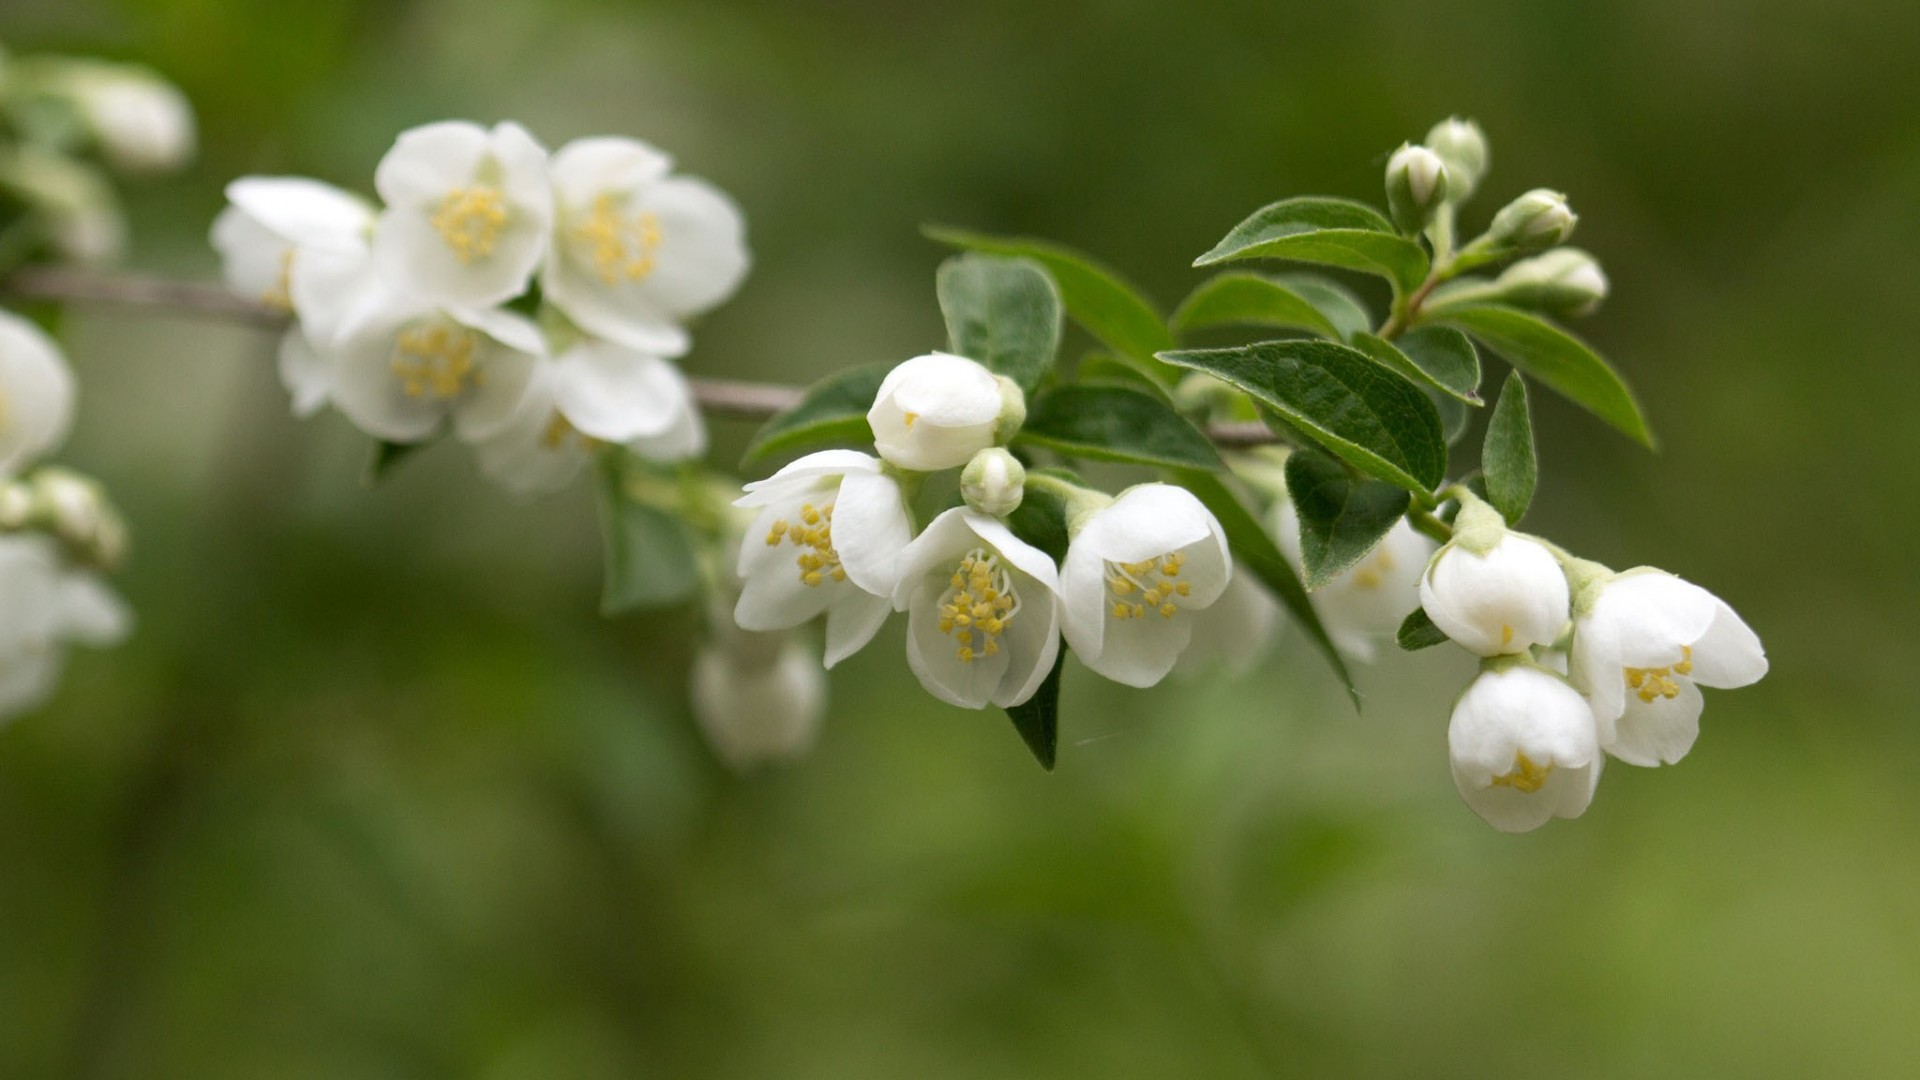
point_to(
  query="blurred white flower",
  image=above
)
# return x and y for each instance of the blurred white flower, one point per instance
(142, 122)
(1137, 573)
(759, 698)
(637, 252)
(401, 367)
(468, 213)
(1372, 598)
(983, 611)
(36, 393)
(1524, 748)
(46, 607)
(270, 221)
(1494, 591)
(936, 411)
(1235, 631)
(72, 200)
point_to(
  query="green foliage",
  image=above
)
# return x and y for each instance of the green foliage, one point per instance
(1418, 632)
(1002, 311)
(1507, 457)
(1560, 360)
(1436, 356)
(1113, 422)
(1288, 301)
(1330, 232)
(833, 413)
(1037, 719)
(1041, 517)
(650, 558)
(1370, 416)
(1341, 516)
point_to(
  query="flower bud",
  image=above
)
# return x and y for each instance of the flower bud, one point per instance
(993, 482)
(1535, 221)
(1463, 147)
(1494, 591)
(759, 705)
(1564, 281)
(142, 122)
(75, 509)
(1416, 187)
(936, 411)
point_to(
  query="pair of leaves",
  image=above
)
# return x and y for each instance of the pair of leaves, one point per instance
(1329, 232)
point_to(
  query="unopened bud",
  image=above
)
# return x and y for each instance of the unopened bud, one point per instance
(993, 482)
(75, 509)
(1535, 221)
(1564, 281)
(1416, 187)
(1463, 146)
(16, 505)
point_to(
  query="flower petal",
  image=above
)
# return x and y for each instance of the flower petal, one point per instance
(852, 621)
(1729, 654)
(870, 530)
(1661, 731)
(615, 394)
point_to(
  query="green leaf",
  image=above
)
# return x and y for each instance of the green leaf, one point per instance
(1367, 414)
(1293, 301)
(1507, 457)
(1418, 632)
(1560, 360)
(649, 557)
(1436, 356)
(1111, 422)
(1253, 548)
(1003, 312)
(1341, 517)
(1037, 719)
(385, 457)
(1041, 517)
(834, 412)
(1330, 232)
(1454, 415)
(1096, 297)
(1115, 367)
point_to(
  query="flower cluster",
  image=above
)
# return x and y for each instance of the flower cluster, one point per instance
(531, 302)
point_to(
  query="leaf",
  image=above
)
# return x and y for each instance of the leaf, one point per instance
(1341, 517)
(1507, 457)
(1454, 415)
(386, 457)
(1115, 367)
(1436, 356)
(1096, 297)
(649, 557)
(1254, 549)
(1300, 302)
(1560, 360)
(1111, 422)
(1331, 232)
(1041, 517)
(833, 412)
(1003, 312)
(1368, 415)
(1418, 632)
(1037, 719)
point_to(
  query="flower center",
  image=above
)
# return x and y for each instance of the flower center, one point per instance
(979, 604)
(560, 434)
(623, 247)
(436, 361)
(813, 535)
(1654, 683)
(1526, 775)
(280, 297)
(1372, 573)
(470, 220)
(1153, 584)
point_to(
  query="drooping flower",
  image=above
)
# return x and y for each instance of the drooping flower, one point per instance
(1523, 747)
(638, 252)
(830, 532)
(401, 367)
(468, 214)
(1643, 641)
(759, 696)
(36, 393)
(1372, 597)
(1137, 573)
(936, 411)
(983, 611)
(1494, 591)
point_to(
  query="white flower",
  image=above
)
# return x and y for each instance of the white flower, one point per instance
(142, 122)
(36, 393)
(401, 367)
(1505, 598)
(758, 702)
(1523, 748)
(269, 220)
(637, 252)
(1640, 647)
(47, 606)
(1235, 631)
(936, 411)
(983, 611)
(468, 212)
(1373, 596)
(829, 536)
(1137, 572)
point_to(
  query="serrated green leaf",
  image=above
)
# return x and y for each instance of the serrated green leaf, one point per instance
(384, 458)
(1242, 298)
(1111, 422)
(649, 557)
(1363, 412)
(1003, 312)
(1507, 457)
(1330, 232)
(1563, 362)
(833, 413)
(1436, 356)
(1254, 548)
(1418, 632)
(1341, 517)
(1038, 718)
(1095, 297)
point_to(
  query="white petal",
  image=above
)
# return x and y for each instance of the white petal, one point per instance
(1140, 652)
(1028, 559)
(253, 258)
(684, 439)
(90, 612)
(1031, 645)
(815, 471)
(1508, 600)
(326, 287)
(702, 256)
(305, 372)
(870, 530)
(615, 394)
(934, 553)
(303, 212)
(1729, 654)
(773, 597)
(851, 623)
(584, 168)
(37, 389)
(1660, 731)
(426, 161)
(753, 714)
(1652, 614)
(935, 660)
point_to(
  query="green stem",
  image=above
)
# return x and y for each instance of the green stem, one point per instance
(1425, 523)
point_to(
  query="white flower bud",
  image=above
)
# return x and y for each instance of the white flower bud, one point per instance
(936, 411)
(37, 390)
(1523, 748)
(1463, 146)
(1416, 187)
(754, 710)
(994, 482)
(1493, 591)
(142, 122)
(1564, 281)
(1535, 221)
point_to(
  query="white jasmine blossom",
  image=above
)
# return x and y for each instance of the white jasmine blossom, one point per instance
(142, 122)
(1136, 574)
(401, 367)
(1235, 631)
(759, 697)
(936, 411)
(1372, 598)
(1494, 591)
(1644, 642)
(48, 606)
(269, 220)
(36, 393)
(983, 611)
(469, 211)
(829, 536)
(1523, 747)
(637, 252)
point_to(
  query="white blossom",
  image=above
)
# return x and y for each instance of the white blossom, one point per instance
(36, 393)
(142, 122)
(1524, 748)
(1371, 598)
(936, 411)
(401, 367)
(468, 216)
(758, 702)
(983, 611)
(637, 252)
(47, 607)
(1235, 631)
(1137, 573)
(829, 536)
(1503, 597)
(1644, 644)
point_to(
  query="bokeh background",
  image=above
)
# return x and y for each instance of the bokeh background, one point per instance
(375, 793)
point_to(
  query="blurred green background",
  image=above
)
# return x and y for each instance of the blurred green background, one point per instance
(374, 793)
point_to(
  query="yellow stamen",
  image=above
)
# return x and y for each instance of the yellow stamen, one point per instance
(1525, 775)
(280, 297)
(623, 248)
(979, 605)
(470, 220)
(1153, 580)
(436, 360)
(813, 535)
